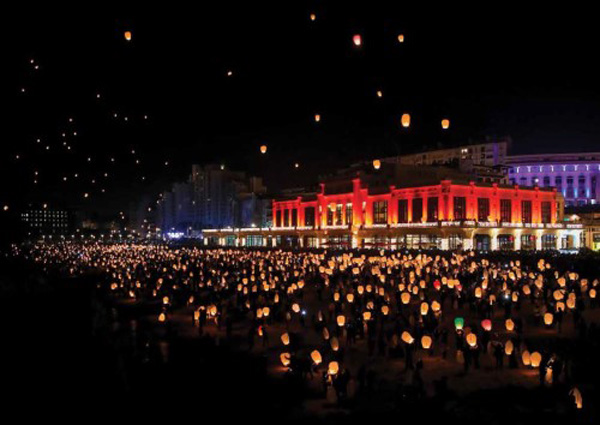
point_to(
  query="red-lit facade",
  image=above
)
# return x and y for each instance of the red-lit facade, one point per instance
(447, 215)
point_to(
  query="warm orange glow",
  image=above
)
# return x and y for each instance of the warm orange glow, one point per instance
(405, 120)
(316, 357)
(376, 164)
(357, 40)
(333, 368)
(445, 124)
(548, 319)
(426, 342)
(317, 117)
(535, 359)
(263, 149)
(407, 337)
(127, 35)
(401, 38)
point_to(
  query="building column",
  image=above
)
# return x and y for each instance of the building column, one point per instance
(538, 242)
(494, 242)
(577, 240)
(467, 243)
(559, 240)
(517, 239)
(445, 244)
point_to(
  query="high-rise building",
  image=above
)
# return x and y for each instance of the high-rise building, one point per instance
(213, 196)
(47, 221)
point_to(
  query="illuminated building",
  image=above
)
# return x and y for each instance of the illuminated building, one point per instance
(47, 221)
(575, 175)
(411, 207)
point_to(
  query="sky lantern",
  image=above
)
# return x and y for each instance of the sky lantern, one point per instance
(335, 343)
(285, 359)
(548, 319)
(379, 93)
(357, 40)
(317, 117)
(576, 394)
(407, 337)
(405, 120)
(127, 35)
(376, 164)
(285, 338)
(316, 357)
(510, 325)
(535, 359)
(472, 339)
(333, 368)
(341, 320)
(445, 123)
(426, 342)
(296, 308)
(526, 358)
(367, 316)
(401, 38)
(486, 324)
(313, 17)
(459, 323)
(509, 347)
(162, 317)
(424, 309)
(263, 149)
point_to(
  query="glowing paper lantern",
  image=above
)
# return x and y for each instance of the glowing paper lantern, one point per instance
(385, 310)
(526, 358)
(401, 38)
(296, 308)
(317, 118)
(535, 359)
(162, 317)
(592, 293)
(285, 359)
(509, 348)
(548, 319)
(486, 324)
(350, 298)
(405, 297)
(376, 164)
(316, 357)
(576, 394)
(335, 344)
(445, 124)
(424, 309)
(405, 120)
(436, 306)
(313, 17)
(285, 338)
(510, 325)
(426, 342)
(472, 339)
(357, 40)
(333, 368)
(263, 149)
(367, 316)
(459, 323)
(341, 320)
(127, 35)
(407, 337)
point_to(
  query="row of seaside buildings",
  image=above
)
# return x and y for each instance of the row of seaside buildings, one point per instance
(471, 196)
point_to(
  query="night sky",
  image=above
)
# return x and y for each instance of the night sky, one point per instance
(494, 71)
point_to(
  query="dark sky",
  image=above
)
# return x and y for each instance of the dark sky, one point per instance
(494, 71)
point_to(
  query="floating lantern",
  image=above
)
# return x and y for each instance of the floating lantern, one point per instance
(407, 337)
(426, 342)
(285, 338)
(548, 319)
(296, 308)
(317, 118)
(285, 359)
(357, 40)
(405, 120)
(127, 35)
(313, 17)
(376, 164)
(350, 298)
(577, 396)
(535, 359)
(333, 368)
(379, 93)
(316, 357)
(445, 124)
(436, 306)
(263, 149)
(266, 311)
(558, 295)
(459, 323)
(325, 334)
(367, 316)
(592, 293)
(405, 297)
(401, 38)
(385, 310)
(162, 317)
(341, 320)
(424, 309)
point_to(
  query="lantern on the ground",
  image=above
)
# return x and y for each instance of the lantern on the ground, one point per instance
(316, 357)
(535, 359)
(510, 325)
(459, 323)
(472, 339)
(285, 359)
(486, 324)
(426, 342)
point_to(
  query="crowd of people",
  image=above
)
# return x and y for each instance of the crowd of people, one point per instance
(314, 307)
